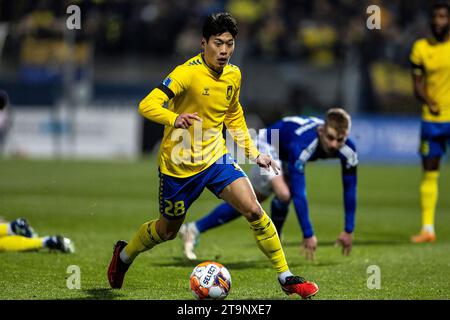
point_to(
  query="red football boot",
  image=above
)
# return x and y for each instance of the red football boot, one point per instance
(298, 285)
(117, 268)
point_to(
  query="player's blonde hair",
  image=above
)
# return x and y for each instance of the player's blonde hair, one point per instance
(338, 119)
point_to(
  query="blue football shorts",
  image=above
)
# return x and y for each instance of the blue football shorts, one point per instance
(177, 194)
(434, 138)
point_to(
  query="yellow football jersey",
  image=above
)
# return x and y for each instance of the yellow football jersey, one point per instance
(432, 59)
(194, 87)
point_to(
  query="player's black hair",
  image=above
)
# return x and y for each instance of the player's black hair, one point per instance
(3, 99)
(440, 5)
(218, 23)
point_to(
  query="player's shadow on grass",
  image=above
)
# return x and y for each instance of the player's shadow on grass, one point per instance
(184, 262)
(249, 264)
(100, 294)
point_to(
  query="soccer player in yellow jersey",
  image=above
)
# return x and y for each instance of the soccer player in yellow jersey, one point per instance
(430, 59)
(203, 96)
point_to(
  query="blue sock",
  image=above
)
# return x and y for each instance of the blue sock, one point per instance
(220, 215)
(279, 210)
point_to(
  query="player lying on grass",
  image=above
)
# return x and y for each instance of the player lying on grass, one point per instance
(18, 236)
(203, 96)
(300, 140)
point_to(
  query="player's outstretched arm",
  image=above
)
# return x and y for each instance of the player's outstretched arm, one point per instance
(298, 191)
(349, 164)
(349, 181)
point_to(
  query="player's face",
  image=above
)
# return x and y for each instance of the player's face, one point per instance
(331, 140)
(218, 50)
(440, 23)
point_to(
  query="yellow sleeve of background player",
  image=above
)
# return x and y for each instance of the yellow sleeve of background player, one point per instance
(235, 123)
(152, 106)
(416, 59)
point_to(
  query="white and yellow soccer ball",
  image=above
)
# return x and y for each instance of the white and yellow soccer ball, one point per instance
(210, 280)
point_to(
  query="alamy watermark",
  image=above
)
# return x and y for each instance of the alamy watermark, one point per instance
(374, 278)
(73, 22)
(73, 281)
(374, 20)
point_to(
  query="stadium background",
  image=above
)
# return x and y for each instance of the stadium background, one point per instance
(297, 57)
(74, 96)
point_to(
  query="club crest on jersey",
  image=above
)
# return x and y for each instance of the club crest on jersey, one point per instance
(229, 92)
(205, 92)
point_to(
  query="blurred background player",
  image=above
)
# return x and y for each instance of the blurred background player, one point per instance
(300, 140)
(18, 236)
(203, 96)
(430, 59)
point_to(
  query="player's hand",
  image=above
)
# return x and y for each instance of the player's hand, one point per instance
(434, 109)
(266, 162)
(345, 240)
(185, 120)
(309, 247)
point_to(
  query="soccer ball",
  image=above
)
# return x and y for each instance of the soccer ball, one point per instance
(210, 280)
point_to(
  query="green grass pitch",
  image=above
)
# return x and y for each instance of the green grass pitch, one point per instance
(97, 203)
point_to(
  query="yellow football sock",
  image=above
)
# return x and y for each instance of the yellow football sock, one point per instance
(4, 229)
(268, 241)
(20, 243)
(429, 196)
(145, 239)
